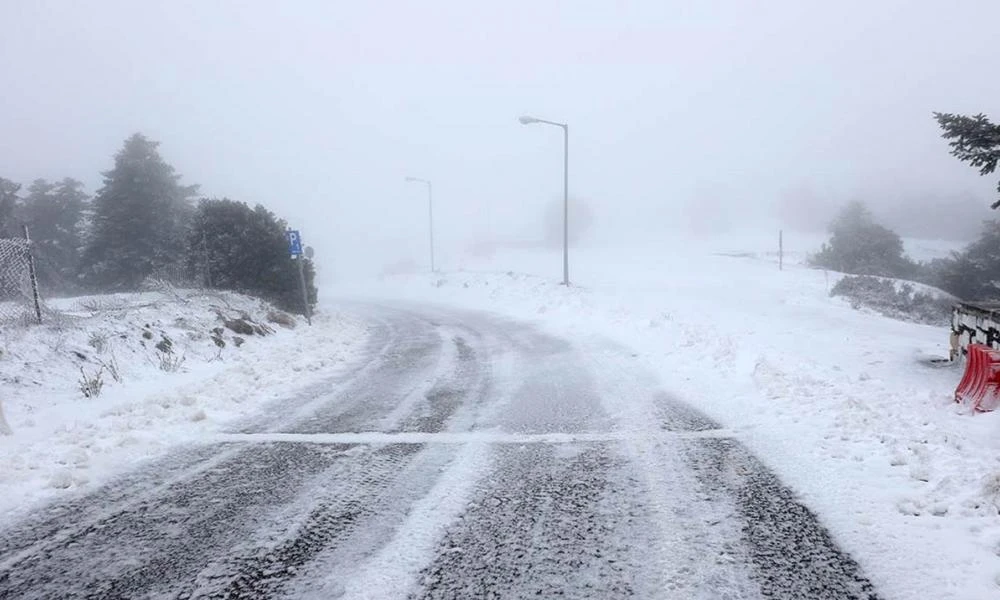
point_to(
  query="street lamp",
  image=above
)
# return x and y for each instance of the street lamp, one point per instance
(430, 212)
(526, 120)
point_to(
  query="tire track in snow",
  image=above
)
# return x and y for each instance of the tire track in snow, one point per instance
(141, 543)
(466, 386)
(354, 522)
(736, 508)
(167, 537)
(544, 524)
(401, 370)
(342, 501)
(790, 552)
(546, 519)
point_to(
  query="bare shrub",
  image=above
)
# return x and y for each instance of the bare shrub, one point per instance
(170, 362)
(91, 385)
(112, 367)
(98, 341)
(165, 345)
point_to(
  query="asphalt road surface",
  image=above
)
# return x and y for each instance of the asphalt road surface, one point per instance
(466, 457)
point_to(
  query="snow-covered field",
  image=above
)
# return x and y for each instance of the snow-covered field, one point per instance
(155, 393)
(845, 405)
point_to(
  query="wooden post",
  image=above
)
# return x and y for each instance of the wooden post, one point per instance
(781, 251)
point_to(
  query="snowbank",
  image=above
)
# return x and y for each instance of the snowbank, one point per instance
(846, 406)
(172, 371)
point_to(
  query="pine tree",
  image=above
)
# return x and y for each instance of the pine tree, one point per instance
(140, 219)
(54, 215)
(244, 249)
(9, 206)
(975, 140)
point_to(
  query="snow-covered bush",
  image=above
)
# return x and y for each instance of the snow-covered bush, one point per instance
(899, 300)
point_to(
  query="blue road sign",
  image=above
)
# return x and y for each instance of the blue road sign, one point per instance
(294, 242)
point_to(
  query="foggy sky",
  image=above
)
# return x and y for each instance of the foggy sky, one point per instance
(679, 111)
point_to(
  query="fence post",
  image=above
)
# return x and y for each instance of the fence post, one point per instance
(781, 250)
(34, 278)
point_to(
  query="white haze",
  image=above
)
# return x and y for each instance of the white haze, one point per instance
(684, 116)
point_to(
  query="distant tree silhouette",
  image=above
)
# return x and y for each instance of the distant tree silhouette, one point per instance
(860, 246)
(54, 214)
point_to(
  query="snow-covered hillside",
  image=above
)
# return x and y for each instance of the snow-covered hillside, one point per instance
(848, 407)
(174, 365)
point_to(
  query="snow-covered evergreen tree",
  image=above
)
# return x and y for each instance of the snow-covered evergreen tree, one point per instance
(140, 219)
(974, 140)
(54, 215)
(9, 204)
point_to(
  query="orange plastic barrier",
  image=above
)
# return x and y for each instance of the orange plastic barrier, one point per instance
(980, 384)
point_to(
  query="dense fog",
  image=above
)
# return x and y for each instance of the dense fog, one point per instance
(704, 117)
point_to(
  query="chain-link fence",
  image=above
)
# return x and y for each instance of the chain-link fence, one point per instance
(19, 303)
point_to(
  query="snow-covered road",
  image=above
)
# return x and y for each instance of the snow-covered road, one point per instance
(467, 456)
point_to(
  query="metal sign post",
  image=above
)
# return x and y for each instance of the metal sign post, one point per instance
(294, 242)
(305, 294)
(295, 250)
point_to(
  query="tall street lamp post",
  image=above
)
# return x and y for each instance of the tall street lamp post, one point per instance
(525, 120)
(430, 213)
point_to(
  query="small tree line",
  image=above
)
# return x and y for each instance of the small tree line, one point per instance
(861, 246)
(142, 224)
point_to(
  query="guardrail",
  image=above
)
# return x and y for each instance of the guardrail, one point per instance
(974, 323)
